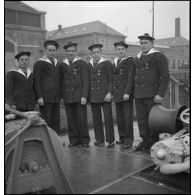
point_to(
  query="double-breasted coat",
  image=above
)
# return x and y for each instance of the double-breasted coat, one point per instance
(47, 80)
(20, 90)
(123, 78)
(152, 74)
(74, 80)
(100, 80)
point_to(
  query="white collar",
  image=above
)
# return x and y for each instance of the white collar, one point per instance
(67, 61)
(150, 52)
(101, 60)
(46, 59)
(116, 59)
(19, 70)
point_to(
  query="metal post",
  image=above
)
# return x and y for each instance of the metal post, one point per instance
(170, 94)
(152, 18)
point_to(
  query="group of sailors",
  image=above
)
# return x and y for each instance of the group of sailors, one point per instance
(98, 83)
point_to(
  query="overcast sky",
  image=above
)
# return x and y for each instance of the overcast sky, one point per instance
(131, 18)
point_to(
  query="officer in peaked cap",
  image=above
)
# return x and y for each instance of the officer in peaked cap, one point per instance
(151, 81)
(19, 84)
(47, 85)
(123, 84)
(75, 87)
(100, 95)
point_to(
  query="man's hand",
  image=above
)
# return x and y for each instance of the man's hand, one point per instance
(126, 97)
(108, 97)
(83, 101)
(40, 101)
(13, 107)
(158, 99)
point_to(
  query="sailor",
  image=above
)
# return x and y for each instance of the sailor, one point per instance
(19, 85)
(123, 85)
(47, 85)
(100, 94)
(151, 81)
(75, 87)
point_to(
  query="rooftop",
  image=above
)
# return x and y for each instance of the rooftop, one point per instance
(20, 6)
(81, 29)
(173, 41)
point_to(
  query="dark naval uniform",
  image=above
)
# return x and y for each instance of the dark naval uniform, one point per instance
(47, 86)
(151, 79)
(75, 85)
(123, 83)
(100, 85)
(20, 90)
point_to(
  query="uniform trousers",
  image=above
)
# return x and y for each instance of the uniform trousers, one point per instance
(77, 123)
(50, 112)
(124, 116)
(98, 124)
(143, 107)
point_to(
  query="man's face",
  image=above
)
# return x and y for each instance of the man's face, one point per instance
(146, 45)
(23, 62)
(96, 54)
(120, 51)
(71, 53)
(51, 51)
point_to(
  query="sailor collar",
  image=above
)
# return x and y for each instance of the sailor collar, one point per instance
(19, 70)
(116, 59)
(46, 59)
(101, 60)
(150, 52)
(67, 61)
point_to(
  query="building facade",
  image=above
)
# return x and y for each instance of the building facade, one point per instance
(24, 31)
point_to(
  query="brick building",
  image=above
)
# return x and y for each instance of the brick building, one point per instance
(24, 31)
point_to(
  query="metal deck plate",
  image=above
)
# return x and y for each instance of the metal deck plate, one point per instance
(92, 169)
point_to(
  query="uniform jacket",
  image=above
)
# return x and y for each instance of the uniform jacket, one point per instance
(123, 78)
(152, 74)
(20, 90)
(100, 80)
(47, 80)
(74, 80)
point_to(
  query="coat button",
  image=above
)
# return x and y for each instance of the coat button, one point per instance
(92, 88)
(98, 81)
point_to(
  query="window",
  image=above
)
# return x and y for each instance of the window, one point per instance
(179, 63)
(87, 44)
(10, 16)
(111, 46)
(173, 64)
(28, 19)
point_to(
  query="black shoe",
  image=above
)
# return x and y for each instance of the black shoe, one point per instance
(73, 144)
(125, 146)
(140, 146)
(120, 142)
(110, 145)
(97, 143)
(85, 145)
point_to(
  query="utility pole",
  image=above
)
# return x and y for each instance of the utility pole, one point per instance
(152, 18)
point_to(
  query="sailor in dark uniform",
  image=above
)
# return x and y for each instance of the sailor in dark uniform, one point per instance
(123, 85)
(47, 85)
(75, 87)
(100, 94)
(151, 81)
(20, 94)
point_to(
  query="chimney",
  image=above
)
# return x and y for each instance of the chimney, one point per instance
(177, 27)
(59, 27)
